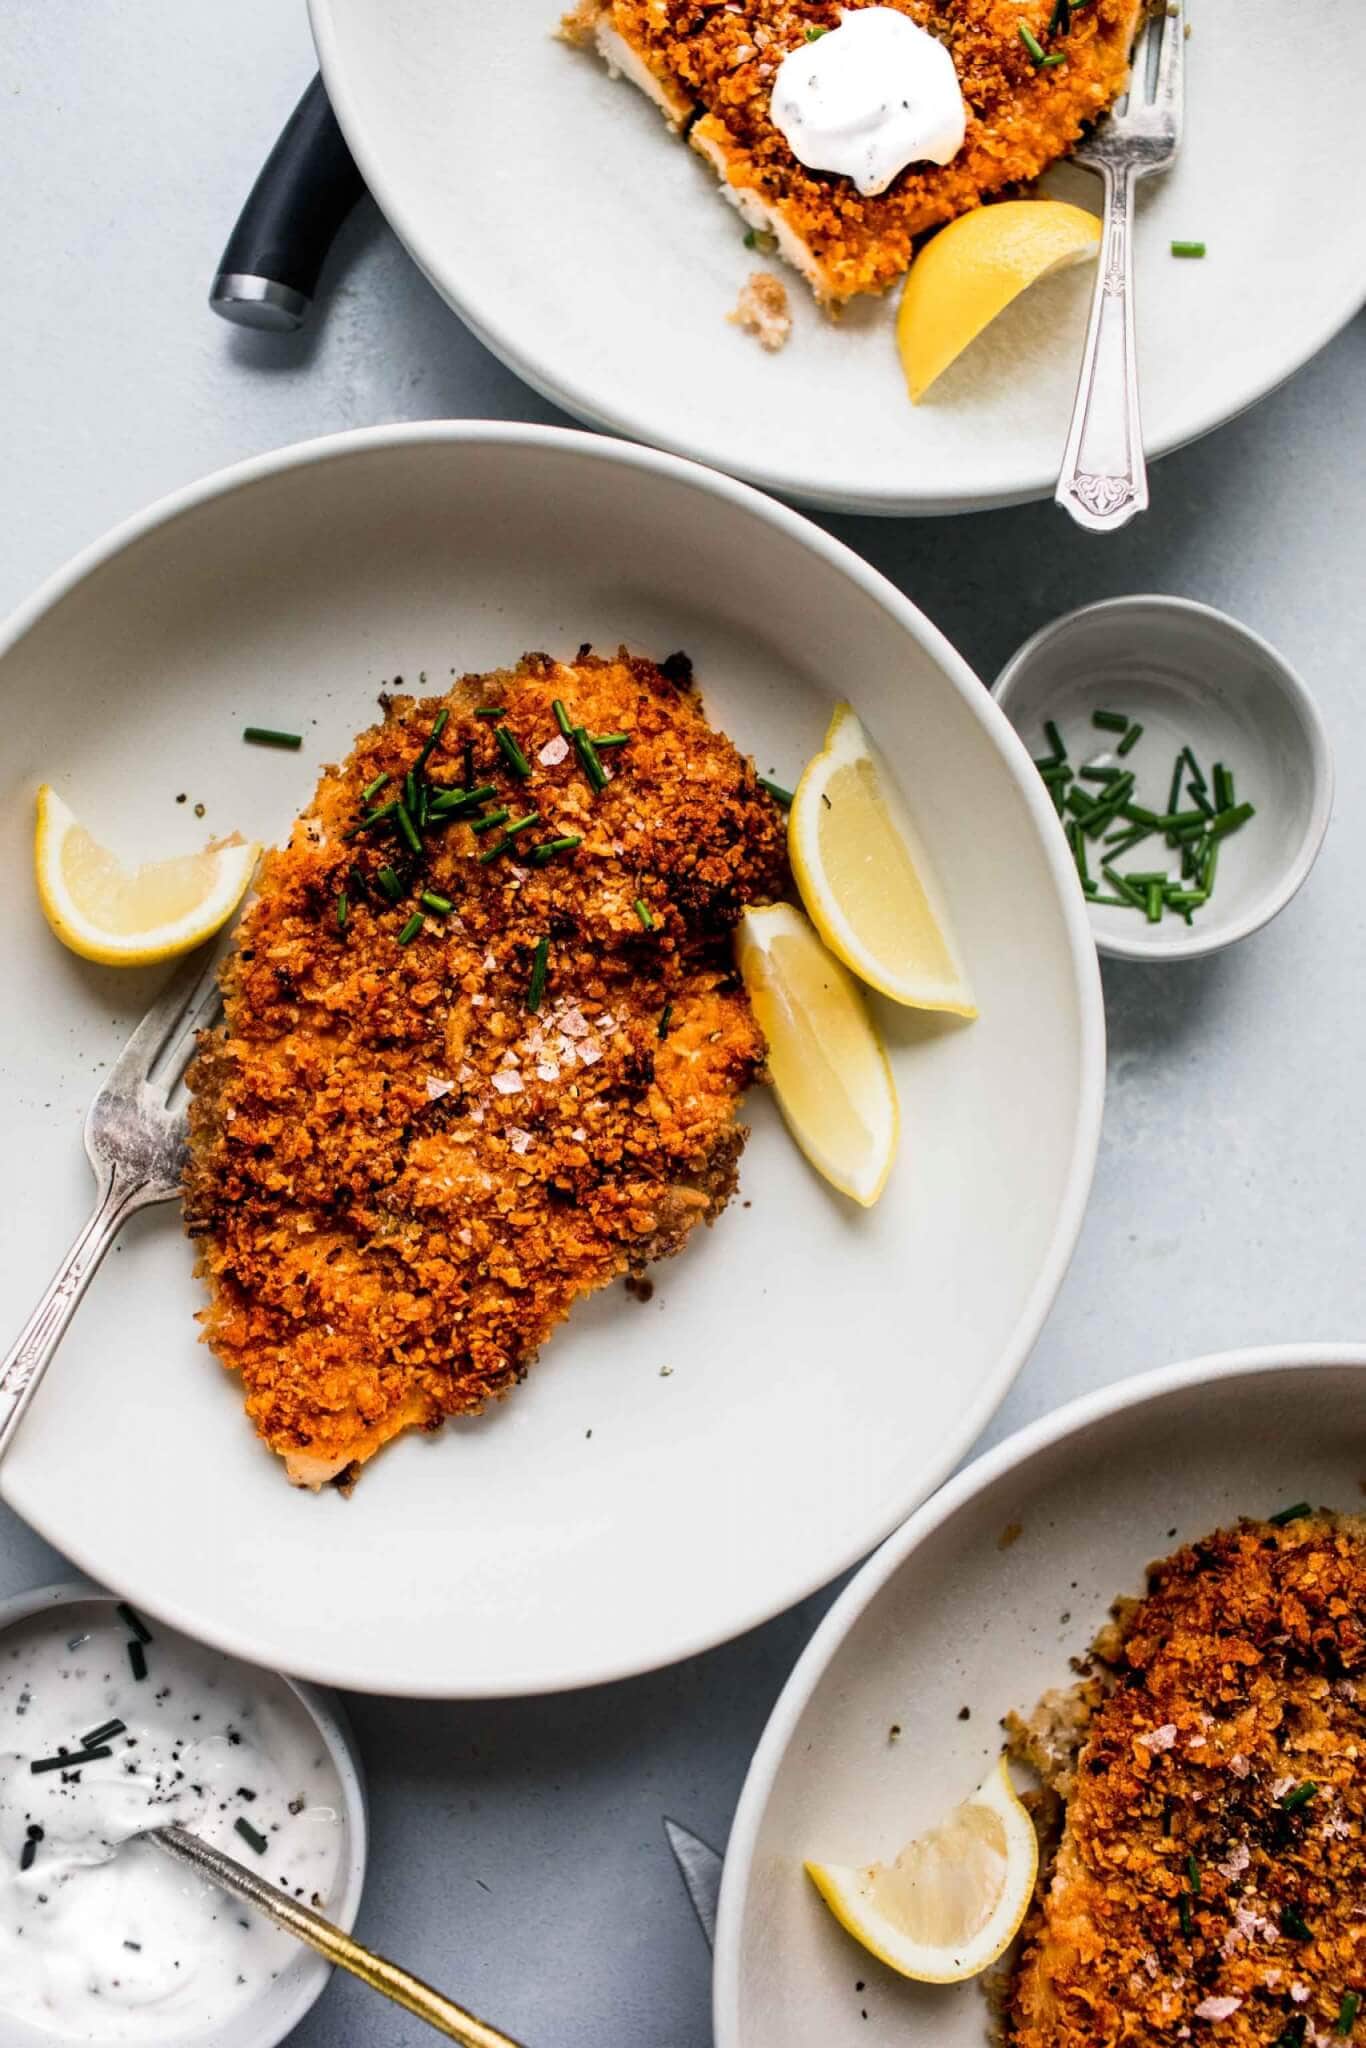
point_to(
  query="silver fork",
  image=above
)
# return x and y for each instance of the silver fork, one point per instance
(135, 1141)
(1104, 480)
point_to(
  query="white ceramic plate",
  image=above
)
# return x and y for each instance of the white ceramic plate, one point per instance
(592, 251)
(951, 1613)
(829, 1366)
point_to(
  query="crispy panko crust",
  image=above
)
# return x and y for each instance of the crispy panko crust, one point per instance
(401, 1178)
(710, 66)
(1171, 1911)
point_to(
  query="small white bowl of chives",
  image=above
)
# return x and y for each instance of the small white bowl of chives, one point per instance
(1187, 762)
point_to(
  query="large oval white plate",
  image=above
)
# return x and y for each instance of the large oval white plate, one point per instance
(979, 1602)
(828, 1366)
(593, 253)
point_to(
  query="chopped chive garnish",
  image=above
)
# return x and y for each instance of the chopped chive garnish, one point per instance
(610, 739)
(1110, 721)
(1296, 1513)
(1130, 740)
(411, 929)
(1137, 814)
(390, 884)
(1080, 802)
(813, 35)
(1224, 822)
(343, 909)
(520, 824)
(245, 1792)
(1178, 773)
(1188, 248)
(665, 1019)
(265, 736)
(372, 789)
(438, 727)
(489, 819)
(1054, 771)
(445, 802)
(536, 986)
(645, 914)
(1295, 1925)
(1185, 899)
(442, 905)
(1119, 902)
(1078, 841)
(562, 719)
(1294, 2032)
(410, 793)
(491, 711)
(588, 755)
(1049, 62)
(506, 843)
(133, 1621)
(378, 817)
(251, 1835)
(512, 753)
(1122, 889)
(1155, 901)
(137, 1658)
(1223, 787)
(1140, 880)
(467, 755)
(1193, 1872)
(1098, 771)
(1185, 1915)
(548, 848)
(1054, 738)
(1060, 18)
(1031, 42)
(1194, 766)
(1300, 1796)
(1347, 2012)
(70, 1760)
(103, 1733)
(775, 789)
(1125, 842)
(27, 1853)
(407, 828)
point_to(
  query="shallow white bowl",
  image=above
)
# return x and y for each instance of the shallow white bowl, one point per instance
(283, 2003)
(1191, 676)
(828, 1366)
(594, 252)
(979, 1602)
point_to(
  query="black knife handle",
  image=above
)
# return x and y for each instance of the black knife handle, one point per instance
(308, 185)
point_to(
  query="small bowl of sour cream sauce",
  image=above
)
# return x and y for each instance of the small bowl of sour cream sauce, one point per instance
(103, 1938)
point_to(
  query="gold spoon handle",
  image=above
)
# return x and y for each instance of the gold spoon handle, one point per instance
(301, 1921)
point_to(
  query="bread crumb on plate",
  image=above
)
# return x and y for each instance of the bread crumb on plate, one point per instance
(762, 310)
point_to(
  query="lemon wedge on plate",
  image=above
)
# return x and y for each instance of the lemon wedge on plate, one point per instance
(972, 269)
(954, 1898)
(825, 1059)
(866, 879)
(104, 911)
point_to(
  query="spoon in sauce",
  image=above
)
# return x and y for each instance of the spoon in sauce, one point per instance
(321, 1934)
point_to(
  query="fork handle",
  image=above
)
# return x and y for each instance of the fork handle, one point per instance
(1104, 481)
(31, 1353)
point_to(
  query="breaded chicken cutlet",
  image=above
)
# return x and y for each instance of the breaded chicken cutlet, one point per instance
(710, 67)
(481, 1054)
(1210, 1880)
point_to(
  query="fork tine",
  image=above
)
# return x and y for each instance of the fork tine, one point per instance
(1171, 58)
(202, 1009)
(152, 1035)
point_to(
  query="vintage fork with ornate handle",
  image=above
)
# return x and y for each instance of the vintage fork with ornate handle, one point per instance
(135, 1142)
(1104, 480)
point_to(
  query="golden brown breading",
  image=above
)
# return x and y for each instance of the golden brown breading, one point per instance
(1199, 1891)
(710, 66)
(401, 1176)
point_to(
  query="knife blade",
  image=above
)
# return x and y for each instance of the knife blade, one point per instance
(699, 1866)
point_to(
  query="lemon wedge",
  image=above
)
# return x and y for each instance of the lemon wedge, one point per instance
(865, 878)
(972, 269)
(825, 1059)
(104, 912)
(954, 1898)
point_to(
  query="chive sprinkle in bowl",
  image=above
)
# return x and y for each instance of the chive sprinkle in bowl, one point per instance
(1187, 762)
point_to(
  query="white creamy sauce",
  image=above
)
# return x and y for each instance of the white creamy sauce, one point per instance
(102, 1937)
(868, 98)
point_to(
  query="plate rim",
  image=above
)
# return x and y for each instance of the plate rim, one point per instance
(1011, 1454)
(844, 495)
(976, 699)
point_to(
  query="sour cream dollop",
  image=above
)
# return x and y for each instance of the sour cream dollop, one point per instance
(868, 98)
(102, 1937)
